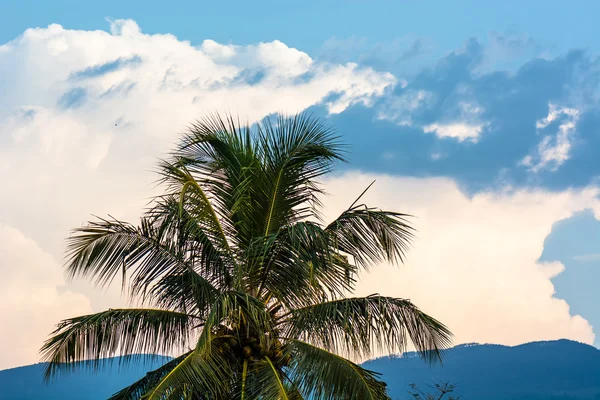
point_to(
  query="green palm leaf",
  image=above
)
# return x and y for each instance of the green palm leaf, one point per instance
(370, 235)
(303, 255)
(139, 388)
(207, 376)
(108, 248)
(354, 325)
(322, 375)
(115, 332)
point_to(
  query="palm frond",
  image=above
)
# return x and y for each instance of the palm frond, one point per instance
(358, 325)
(100, 249)
(296, 151)
(219, 155)
(139, 388)
(114, 332)
(371, 235)
(153, 256)
(185, 292)
(239, 313)
(319, 374)
(200, 205)
(268, 383)
(301, 266)
(195, 237)
(201, 375)
(262, 177)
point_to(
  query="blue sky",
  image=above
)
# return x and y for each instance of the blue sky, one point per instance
(574, 242)
(470, 111)
(308, 24)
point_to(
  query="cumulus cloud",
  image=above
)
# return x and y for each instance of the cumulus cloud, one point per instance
(459, 131)
(460, 116)
(177, 70)
(402, 108)
(33, 297)
(553, 150)
(474, 262)
(461, 120)
(83, 102)
(87, 115)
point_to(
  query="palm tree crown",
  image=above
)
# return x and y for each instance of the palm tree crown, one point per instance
(242, 278)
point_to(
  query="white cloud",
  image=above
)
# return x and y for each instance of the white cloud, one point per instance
(592, 257)
(458, 131)
(460, 120)
(84, 117)
(464, 121)
(553, 150)
(275, 56)
(175, 70)
(401, 108)
(474, 262)
(32, 298)
(89, 111)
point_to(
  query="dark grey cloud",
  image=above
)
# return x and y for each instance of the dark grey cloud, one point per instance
(507, 106)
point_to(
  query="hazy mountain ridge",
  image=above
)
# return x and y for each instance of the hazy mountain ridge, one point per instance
(560, 369)
(551, 370)
(26, 383)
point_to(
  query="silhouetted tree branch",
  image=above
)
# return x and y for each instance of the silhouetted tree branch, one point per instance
(440, 390)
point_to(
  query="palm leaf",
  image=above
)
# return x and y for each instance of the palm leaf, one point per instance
(196, 240)
(235, 309)
(371, 236)
(359, 325)
(296, 151)
(139, 388)
(116, 331)
(322, 375)
(219, 155)
(269, 383)
(205, 376)
(194, 199)
(301, 266)
(184, 291)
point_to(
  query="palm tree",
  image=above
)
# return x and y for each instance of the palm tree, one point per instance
(242, 279)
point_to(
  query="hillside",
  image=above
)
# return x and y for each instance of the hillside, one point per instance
(26, 383)
(557, 370)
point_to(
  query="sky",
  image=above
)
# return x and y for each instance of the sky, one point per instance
(481, 119)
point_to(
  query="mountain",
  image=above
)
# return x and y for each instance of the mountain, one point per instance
(556, 370)
(550, 370)
(26, 383)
